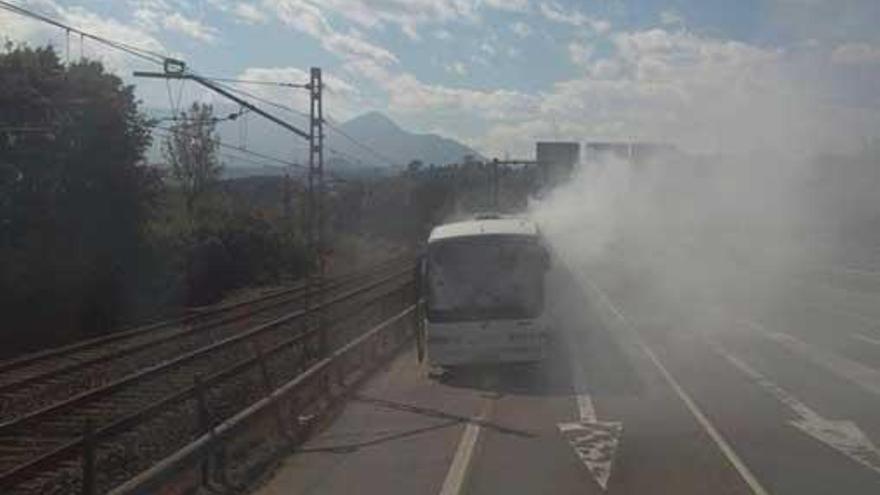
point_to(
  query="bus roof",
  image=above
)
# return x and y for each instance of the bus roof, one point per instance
(481, 227)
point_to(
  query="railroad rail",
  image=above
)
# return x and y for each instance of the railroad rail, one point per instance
(125, 424)
(35, 381)
(273, 423)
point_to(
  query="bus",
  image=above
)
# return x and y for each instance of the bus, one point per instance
(483, 287)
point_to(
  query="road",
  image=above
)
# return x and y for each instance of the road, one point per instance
(776, 395)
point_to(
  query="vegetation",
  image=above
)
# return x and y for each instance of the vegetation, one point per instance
(190, 151)
(93, 239)
(75, 196)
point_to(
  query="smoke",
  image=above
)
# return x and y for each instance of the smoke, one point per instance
(699, 240)
(772, 185)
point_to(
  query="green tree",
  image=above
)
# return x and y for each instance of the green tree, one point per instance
(75, 194)
(191, 152)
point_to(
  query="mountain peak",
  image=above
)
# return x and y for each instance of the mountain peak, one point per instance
(376, 131)
(373, 120)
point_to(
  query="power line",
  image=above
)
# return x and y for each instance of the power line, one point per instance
(301, 113)
(234, 148)
(182, 118)
(162, 59)
(263, 156)
(259, 83)
(293, 110)
(375, 153)
(263, 100)
(142, 53)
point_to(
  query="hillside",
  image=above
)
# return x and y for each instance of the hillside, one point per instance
(394, 146)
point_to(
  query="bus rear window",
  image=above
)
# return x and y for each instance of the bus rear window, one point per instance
(492, 277)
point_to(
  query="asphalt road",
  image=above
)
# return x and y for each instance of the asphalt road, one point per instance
(776, 394)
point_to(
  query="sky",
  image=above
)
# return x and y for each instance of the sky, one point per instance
(500, 74)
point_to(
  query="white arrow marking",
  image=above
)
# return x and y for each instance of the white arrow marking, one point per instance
(841, 435)
(594, 441)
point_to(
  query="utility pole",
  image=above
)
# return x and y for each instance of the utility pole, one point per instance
(315, 228)
(495, 185)
(495, 178)
(316, 232)
(316, 165)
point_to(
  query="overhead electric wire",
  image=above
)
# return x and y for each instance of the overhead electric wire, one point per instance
(160, 59)
(259, 83)
(375, 153)
(234, 148)
(263, 156)
(142, 53)
(264, 100)
(293, 110)
(288, 108)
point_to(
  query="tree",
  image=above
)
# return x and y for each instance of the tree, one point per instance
(191, 151)
(75, 193)
(414, 167)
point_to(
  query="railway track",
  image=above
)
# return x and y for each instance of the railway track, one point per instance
(134, 410)
(33, 382)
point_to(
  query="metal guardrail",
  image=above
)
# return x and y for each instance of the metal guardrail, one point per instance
(87, 444)
(332, 375)
(186, 319)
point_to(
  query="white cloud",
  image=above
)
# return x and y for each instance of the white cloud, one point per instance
(510, 5)
(856, 54)
(580, 53)
(192, 28)
(21, 29)
(691, 90)
(308, 18)
(521, 29)
(343, 97)
(554, 12)
(249, 13)
(407, 95)
(410, 95)
(670, 18)
(408, 15)
(605, 69)
(156, 15)
(488, 49)
(442, 34)
(457, 67)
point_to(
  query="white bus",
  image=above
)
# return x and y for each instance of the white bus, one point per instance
(483, 282)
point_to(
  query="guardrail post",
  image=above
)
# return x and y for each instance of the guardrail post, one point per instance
(204, 418)
(88, 464)
(324, 345)
(264, 369)
(269, 387)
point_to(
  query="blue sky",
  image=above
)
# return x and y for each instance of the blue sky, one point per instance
(499, 74)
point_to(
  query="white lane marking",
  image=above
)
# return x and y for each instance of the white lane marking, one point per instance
(460, 467)
(868, 273)
(841, 435)
(594, 442)
(865, 338)
(586, 411)
(731, 455)
(859, 374)
(848, 314)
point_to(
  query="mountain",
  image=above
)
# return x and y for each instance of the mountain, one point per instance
(367, 144)
(394, 144)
